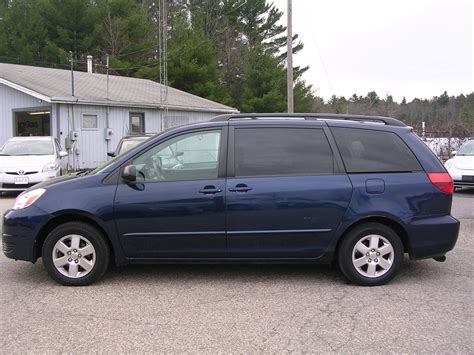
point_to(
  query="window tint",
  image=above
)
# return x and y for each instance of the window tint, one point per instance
(365, 150)
(191, 156)
(282, 151)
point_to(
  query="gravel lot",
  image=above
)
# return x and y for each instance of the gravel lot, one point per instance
(427, 308)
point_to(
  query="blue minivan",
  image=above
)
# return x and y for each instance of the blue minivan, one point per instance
(247, 188)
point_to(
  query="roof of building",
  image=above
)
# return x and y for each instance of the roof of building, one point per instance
(54, 85)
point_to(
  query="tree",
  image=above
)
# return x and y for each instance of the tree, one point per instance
(192, 65)
(264, 85)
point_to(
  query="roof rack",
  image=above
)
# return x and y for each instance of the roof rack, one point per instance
(310, 116)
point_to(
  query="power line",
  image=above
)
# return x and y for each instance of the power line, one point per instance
(322, 61)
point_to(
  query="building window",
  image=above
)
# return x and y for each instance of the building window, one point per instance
(89, 121)
(137, 123)
(32, 123)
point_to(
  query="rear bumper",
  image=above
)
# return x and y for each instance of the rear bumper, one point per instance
(432, 237)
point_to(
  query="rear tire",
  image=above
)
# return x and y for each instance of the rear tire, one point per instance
(75, 254)
(371, 254)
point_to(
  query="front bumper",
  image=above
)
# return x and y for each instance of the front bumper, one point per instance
(462, 178)
(8, 183)
(432, 237)
(20, 232)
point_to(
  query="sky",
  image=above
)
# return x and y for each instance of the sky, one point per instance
(411, 48)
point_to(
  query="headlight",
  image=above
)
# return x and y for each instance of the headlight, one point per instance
(50, 167)
(27, 199)
(448, 163)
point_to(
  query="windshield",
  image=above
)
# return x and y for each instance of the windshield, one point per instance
(467, 149)
(27, 147)
(131, 143)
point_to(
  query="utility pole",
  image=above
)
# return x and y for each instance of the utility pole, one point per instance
(289, 62)
(71, 60)
(107, 107)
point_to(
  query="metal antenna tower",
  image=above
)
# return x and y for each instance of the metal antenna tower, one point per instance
(163, 55)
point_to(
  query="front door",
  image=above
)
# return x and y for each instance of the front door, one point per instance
(176, 207)
(286, 194)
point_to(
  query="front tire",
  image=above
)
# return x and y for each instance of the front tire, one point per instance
(75, 254)
(371, 254)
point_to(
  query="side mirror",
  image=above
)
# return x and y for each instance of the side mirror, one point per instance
(63, 154)
(454, 152)
(129, 173)
(111, 154)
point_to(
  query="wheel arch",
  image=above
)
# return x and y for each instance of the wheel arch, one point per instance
(387, 221)
(69, 217)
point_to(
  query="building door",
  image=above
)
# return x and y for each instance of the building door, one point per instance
(32, 123)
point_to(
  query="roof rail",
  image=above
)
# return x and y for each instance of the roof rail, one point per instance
(310, 116)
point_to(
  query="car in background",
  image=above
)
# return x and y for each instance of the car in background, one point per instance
(461, 166)
(26, 161)
(127, 143)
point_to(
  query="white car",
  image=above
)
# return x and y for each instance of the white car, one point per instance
(461, 166)
(26, 161)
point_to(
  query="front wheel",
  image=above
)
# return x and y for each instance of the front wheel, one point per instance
(371, 254)
(75, 254)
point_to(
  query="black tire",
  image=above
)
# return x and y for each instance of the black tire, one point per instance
(347, 250)
(87, 232)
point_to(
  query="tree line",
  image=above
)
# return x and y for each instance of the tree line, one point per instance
(230, 51)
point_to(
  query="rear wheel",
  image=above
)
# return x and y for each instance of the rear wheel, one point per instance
(371, 254)
(75, 254)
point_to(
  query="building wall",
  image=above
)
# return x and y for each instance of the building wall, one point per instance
(11, 99)
(90, 149)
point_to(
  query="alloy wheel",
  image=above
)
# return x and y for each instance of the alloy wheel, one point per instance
(74, 256)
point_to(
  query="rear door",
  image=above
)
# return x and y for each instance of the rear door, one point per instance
(286, 190)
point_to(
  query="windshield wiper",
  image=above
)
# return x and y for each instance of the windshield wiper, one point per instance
(3, 154)
(83, 172)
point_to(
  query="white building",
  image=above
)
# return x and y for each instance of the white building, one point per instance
(90, 123)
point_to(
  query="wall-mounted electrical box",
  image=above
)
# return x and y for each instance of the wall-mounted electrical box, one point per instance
(68, 143)
(108, 133)
(73, 135)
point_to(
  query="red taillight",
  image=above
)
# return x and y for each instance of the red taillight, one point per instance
(442, 181)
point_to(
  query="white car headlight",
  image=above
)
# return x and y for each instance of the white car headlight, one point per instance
(28, 198)
(448, 164)
(50, 167)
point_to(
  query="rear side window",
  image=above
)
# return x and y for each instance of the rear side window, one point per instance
(282, 151)
(365, 150)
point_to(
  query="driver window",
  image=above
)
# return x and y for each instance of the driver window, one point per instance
(192, 156)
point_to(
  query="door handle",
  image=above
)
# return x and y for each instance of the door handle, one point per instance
(240, 188)
(210, 189)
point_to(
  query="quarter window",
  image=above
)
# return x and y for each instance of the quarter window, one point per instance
(365, 151)
(282, 151)
(191, 156)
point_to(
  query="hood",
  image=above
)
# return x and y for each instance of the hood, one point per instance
(25, 162)
(464, 162)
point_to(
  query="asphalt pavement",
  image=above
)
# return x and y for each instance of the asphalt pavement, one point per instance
(249, 308)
